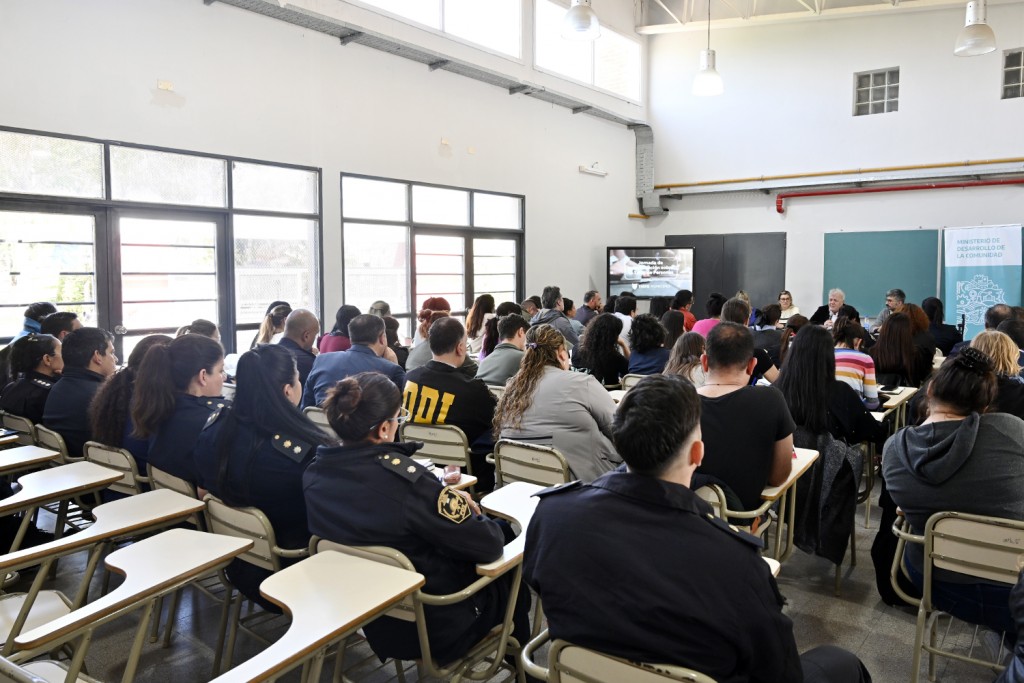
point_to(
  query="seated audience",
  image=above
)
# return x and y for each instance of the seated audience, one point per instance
(603, 353)
(110, 411)
(713, 308)
(658, 306)
(369, 353)
(37, 363)
(816, 399)
(793, 326)
(434, 304)
(964, 459)
(337, 339)
(994, 316)
(1010, 385)
(391, 327)
(479, 314)
(826, 315)
(301, 329)
(647, 352)
(491, 337)
(684, 360)
(438, 393)
(89, 360)
(369, 491)
(688, 590)
(504, 360)
(530, 307)
(545, 404)
(737, 310)
(924, 342)
(1015, 330)
(569, 308)
(380, 308)
(34, 315)
(946, 336)
(674, 323)
(855, 368)
(898, 362)
(551, 314)
(786, 308)
(590, 308)
(766, 333)
(894, 300)
(60, 324)
(683, 302)
(625, 310)
(272, 326)
(253, 453)
(200, 326)
(420, 355)
(177, 389)
(748, 431)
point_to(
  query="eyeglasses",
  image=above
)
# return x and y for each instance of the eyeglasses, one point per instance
(401, 418)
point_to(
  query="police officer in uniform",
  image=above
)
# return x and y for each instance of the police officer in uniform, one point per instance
(665, 580)
(253, 453)
(371, 492)
(37, 359)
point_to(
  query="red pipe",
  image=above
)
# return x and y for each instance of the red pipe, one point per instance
(779, 198)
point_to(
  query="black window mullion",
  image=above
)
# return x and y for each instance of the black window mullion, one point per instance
(226, 280)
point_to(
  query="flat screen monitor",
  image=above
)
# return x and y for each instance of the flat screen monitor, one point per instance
(646, 272)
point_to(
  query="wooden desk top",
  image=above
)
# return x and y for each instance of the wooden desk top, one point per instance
(465, 481)
(22, 457)
(805, 457)
(58, 483)
(326, 595)
(149, 510)
(516, 502)
(150, 566)
(9, 438)
(901, 395)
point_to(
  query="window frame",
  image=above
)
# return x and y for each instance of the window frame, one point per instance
(107, 211)
(1020, 79)
(468, 233)
(886, 100)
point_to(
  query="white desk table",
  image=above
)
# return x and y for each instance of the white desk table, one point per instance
(787, 506)
(514, 502)
(14, 460)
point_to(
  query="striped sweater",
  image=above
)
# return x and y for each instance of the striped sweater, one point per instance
(858, 370)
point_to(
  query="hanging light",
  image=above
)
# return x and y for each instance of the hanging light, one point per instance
(976, 37)
(708, 82)
(580, 22)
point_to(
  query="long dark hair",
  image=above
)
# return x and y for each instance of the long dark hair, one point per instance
(893, 353)
(674, 323)
(483, 305)
(599, 341)
(261, 406)
(27, 352)
(713, 306)
(165, 372)
(805, 377)
(357, 404)
(934, 309)
(793, 325)
(491, 327)
(659, 305)
(108, 412)
(342, 318)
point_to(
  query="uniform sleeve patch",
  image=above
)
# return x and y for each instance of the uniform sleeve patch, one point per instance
(452, 506)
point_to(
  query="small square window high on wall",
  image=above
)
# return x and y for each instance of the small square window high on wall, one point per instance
(1013, 74)
(876, 92)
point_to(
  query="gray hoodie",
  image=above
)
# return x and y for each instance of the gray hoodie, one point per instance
(557, 320)
(974, 465)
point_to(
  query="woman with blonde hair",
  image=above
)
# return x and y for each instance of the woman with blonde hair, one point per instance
(272, 327)
(1010, 385)
(544, 403)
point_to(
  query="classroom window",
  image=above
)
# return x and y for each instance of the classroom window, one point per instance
(46, 165)
(876, 92)
(405, 242)
(1013, 74)
(611, 63)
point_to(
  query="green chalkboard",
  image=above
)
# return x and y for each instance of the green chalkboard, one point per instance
(866, 264)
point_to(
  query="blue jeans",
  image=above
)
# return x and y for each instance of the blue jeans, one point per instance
(977, 603)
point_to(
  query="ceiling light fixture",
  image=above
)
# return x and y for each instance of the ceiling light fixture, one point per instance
(976, 37)
(580, 22)
(708, 82)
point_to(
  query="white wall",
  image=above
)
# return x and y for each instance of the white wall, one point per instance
(787, 108)
(249, 86)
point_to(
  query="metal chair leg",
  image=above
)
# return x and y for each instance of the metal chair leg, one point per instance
(222, 630)
(172, 617)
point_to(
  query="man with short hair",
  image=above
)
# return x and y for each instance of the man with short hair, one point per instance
(683, 302)
(590, 308)
(60, 324)
(369, 353)
(301, 329)
(529, 307)
(551, 314)
(688, 590)
(625, 310)
(894, 300)
(88, 361)
(995, 316)
(748, 431)
(826, 315)
(437, 393)
(1014, 329)
(737, 310)
(504, 360)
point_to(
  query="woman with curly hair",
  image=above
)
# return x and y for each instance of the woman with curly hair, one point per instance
(684, 359)
(545, 404)
(648, 354)
(434, 304)
(599, 351)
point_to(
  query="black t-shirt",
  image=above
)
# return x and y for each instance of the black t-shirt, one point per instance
(1010, 397)
(764, 364)
(848, 419)
(739, 433)
(607, 370)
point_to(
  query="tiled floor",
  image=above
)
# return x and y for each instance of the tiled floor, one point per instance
(857, 620)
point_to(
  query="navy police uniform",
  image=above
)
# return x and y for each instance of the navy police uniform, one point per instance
(375, 494)
(27, 396)
(639, 568)
(262, 469)
(172, 447)
(67, 407)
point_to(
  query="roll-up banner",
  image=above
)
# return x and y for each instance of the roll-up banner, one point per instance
(982, 268)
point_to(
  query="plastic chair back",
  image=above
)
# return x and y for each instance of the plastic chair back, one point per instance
(496, 391)
(570, 663)
(318, 417)
(443, 444)
(117, 459)
(22, 425)
(975, 545)
(245, 522)
(532, 463)
(47, 438)
(629, 381)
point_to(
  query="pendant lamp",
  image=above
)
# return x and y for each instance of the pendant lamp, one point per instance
(708, 82)
(580, 22)
(976, 37)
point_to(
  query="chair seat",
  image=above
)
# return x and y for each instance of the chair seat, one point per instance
(54, 672)
(49, 605)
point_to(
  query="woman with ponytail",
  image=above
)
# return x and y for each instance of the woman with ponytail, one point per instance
(545, 404)
(369, 491)
(36, 365)
(176, 391)
(253, 453)
(490, 332)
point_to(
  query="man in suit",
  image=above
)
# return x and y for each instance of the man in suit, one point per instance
(826, 315)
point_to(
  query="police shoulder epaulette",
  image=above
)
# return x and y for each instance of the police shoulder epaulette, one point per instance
(560, 488)
(290, 447)
(45, 384)
(214, 403)
(214, 416)
(734, 531)
(401, 465)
